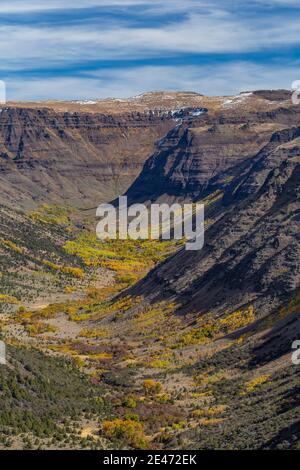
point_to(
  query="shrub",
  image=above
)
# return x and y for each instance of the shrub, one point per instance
(127, 430)
(129, 402)
(151, 387)
(257, 381)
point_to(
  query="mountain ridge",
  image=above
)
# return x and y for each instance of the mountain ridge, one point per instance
(178, 349)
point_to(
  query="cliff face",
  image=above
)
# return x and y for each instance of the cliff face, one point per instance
(219, 321)
(72, 158)
(82, 153)
(251, 253)
(198, 156)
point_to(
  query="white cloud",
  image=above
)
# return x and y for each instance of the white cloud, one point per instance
(206, 27)
(20, 6)
(280, 2)
(25, 47)
(219, 79)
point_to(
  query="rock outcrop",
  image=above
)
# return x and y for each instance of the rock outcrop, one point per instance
(252, 251)
(201, 155)
(84, 152)
(78, 159)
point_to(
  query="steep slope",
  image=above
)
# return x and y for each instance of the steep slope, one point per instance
(239, 299)
(45, 402)
(201, 155)
(251, 253)
(198, 353)
(82, 153)
(72, 158)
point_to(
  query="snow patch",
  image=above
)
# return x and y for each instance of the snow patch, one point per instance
(236, 100)
(85, 102)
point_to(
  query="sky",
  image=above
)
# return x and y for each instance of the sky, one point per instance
(92, 49)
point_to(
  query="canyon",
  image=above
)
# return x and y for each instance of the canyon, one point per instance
(141, 343)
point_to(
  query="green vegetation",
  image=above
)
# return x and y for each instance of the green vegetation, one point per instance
(52, 214)
(128, 259)
(44, 400)
(121, 372)
(213, 328)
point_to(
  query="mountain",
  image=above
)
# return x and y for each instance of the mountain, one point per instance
(239, 298)
(202, 153)
(171, 349)
(82, 153)
(75, 158)
(251, 252)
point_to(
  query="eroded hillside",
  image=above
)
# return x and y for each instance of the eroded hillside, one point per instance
(202, 154)
(172, 349)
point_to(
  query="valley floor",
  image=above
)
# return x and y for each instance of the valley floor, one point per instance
(122, 372)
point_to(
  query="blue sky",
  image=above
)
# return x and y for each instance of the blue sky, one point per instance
(85, 49)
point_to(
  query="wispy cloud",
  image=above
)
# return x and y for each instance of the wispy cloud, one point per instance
(127, 35)
(17, 6)
(209, 33)
(219, 79)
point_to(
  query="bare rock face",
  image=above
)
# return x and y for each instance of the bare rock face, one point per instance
(79, 159)
(84, 152)
(199, 155)
(252, 252)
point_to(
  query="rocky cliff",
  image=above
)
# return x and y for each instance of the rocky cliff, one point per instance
(200, 155)
(75, 158)
(83, 152)
(252, 251)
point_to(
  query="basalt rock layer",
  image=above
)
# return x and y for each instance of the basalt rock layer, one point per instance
(201, 155)
(78, 159)
(252, 251)
(81, 153)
